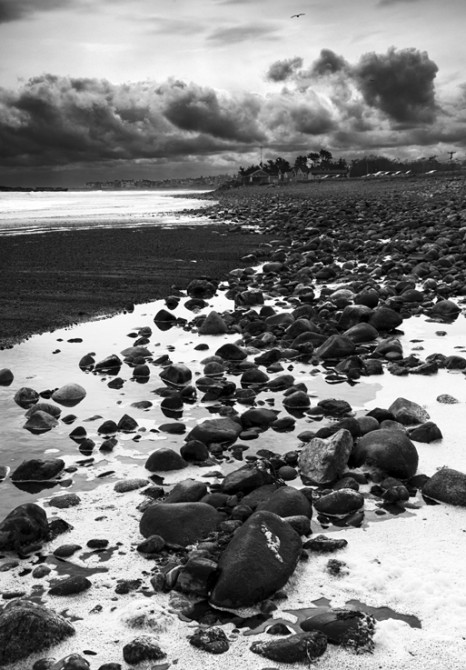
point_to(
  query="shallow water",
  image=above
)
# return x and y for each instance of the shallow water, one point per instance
(49, 361)
(42, 212)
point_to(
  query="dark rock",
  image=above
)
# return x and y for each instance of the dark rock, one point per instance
(340, 503)
(448, 486)
(201, 288)
(69, 395)
(179, 523)
(143, 648)
(6, 377)
(66, 500)
(152, 545)
(231, 352)
(70, 586)
(212, 640)
(22, 527)
(127, 424)
(223, 430)
(213, 324)
(194, 450)
(427, 432)
(66, 550)
(111, 364)
(28, 628)
(298, 648)
(25, 397)
(126, 485)
(72, 662)
(197, 576)
(336, 346)
(245, 479)
(349, 628)
(188, 490)
(165, 460)
(47, 407)
(389, 451)
(40, 422)
(408, 412)
(298, 400)
(332, 407)
(324, 545)
(385, 319)
(287, 501)
(176, 375)
(38, 470)
(108, 427)
(257, 562)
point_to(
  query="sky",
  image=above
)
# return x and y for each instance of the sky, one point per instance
(106, 89)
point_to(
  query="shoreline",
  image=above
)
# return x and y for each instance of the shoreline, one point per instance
(62, 278)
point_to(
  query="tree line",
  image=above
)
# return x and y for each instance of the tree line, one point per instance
(358, 167)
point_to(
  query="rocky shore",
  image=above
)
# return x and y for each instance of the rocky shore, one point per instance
(282, 521)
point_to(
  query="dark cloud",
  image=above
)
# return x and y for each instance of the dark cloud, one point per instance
(328, 63)
(59, 120)
(12, 10)
(197, 109)
(282, 70)
(399, 83)
(242, 33)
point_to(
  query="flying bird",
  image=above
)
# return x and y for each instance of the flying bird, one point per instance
(296, 16)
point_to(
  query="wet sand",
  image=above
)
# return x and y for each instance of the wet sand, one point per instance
(56, 279)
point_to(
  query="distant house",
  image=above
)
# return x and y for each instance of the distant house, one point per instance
(257, 177)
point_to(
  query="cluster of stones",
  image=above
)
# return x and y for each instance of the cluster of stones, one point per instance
(236, 543)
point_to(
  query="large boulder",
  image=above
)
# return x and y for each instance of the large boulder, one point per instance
(448, 486)
(38, 470)
(259, 560)
(213, 324)
(40, 422)
(28, 628)
(385, 319)
(245, 479)
(287, 501)
(164, 460)
(324, 460)
(408, 412)
(215, 431)
(389, 451)
(179, 523)
(177, 374)
(23, 526)
(336, 346)
(69, 395)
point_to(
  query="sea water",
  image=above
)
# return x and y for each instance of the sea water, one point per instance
(48, 211)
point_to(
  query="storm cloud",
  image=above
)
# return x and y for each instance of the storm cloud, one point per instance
(12, 10)
(282, 70)
(58, 120)
(328, 63)
(399, 83)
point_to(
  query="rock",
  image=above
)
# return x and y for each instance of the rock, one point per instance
(385, 319)
(47, 407)
(324, 545)
(126, 485)
(298, 400)
(349, 628)
(40, 422)
(322, 461)
(37, 470)
(332, 407)
(201, 288)
(164, 460)
(108, 427)
(66, 500)
(69, 395)
(6, 377)
(143, 648)
(212, 640)
(87, 362)
(28, 628)
(389, 451)
(445, 309)
(194, 450)
(188, 490)
(152, 545)
(336, 346)
(260, 417)
(66, 550)
(231, 352)
(179, 523)
(220, 431)
(408, 412)
(340, 503)
(361, 332)
(25, 397)
(245, 479)
(298, 648)
(71, 662)
(164, 318)
(111, 365)
(213, 324)
(254, 377)
(427, 432)
(176, 375)
(258, 561)
(286, 502)
(197, 576)
(447, 486)
(22, 527)
(447, 399)
(70, 586)
(127, 424)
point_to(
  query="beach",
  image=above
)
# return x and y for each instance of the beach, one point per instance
(322, 311)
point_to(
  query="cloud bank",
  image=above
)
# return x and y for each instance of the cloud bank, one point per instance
(383, 101)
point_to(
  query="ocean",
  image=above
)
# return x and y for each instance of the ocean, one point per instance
(49, 211)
